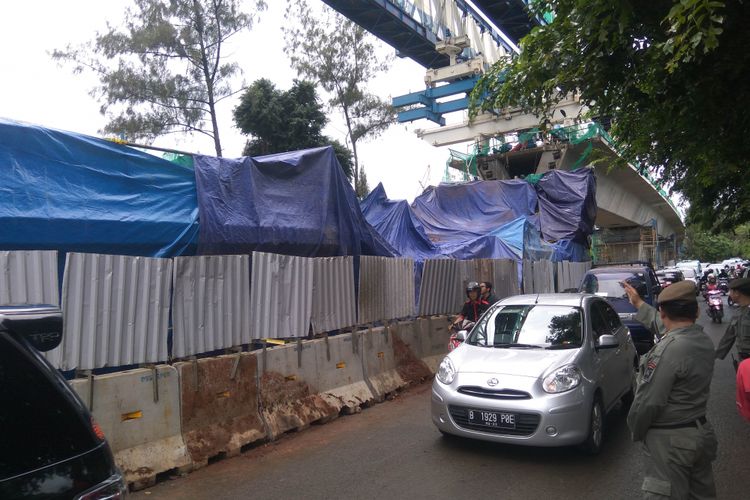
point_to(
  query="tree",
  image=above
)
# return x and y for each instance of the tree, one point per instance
(708, 247)
(670, 75)
(280, 121)
(164, 70)
(340, 56)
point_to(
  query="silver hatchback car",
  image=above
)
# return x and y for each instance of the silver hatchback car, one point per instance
(537, 370)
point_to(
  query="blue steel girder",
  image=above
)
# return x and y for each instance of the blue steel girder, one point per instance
(431, 109)
(511, 16)
(396, 27)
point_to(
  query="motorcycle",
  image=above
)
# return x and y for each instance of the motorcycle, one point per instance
(715, 305)
(724, 285)
(455, 328)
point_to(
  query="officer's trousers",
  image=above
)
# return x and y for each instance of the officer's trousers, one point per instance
(678, 463)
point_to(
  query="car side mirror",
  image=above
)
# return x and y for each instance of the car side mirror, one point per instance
(607, 342)
(461, 335)
(42, 326)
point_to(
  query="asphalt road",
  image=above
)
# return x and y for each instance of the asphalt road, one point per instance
(392, 450)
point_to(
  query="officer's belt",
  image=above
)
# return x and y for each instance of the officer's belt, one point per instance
(692, 423)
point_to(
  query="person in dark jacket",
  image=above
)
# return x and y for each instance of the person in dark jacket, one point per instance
(485, 288)
(474, 307)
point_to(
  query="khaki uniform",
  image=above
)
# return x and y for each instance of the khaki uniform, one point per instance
(738, 333)
(668, 412)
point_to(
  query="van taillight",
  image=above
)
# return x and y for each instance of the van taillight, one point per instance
(97, 430)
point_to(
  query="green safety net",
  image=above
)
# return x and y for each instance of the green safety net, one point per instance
(179, 159)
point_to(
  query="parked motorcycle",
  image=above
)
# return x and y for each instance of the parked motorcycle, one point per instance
(715, 305)
(455, 340)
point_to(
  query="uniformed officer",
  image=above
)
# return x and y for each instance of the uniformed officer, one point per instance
(669, 409)
(738, 331)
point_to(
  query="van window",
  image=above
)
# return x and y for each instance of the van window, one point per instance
(38, 424)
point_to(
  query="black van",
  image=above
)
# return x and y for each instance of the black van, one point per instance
(50, 447)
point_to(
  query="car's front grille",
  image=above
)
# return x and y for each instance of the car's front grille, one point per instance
(483, 392)
(526, 423)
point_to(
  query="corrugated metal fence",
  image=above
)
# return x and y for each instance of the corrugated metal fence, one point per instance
(117, 309)
(444, 282)
(281, 289)
(28, 277)
(570, 274)
(210, 303)
(334, 304)
(386, 288)
(538, 276)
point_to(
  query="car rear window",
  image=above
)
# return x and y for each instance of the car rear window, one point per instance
(533, 325)
(608, 284)
(38, 424)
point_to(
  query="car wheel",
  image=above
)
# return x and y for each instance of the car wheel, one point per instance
(593, 443)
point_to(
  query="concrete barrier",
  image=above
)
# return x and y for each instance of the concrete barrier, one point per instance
(434, 335)
(220, 412)
(380, 362)
(340, 372)
(408, 352)
(289, 396)
(140, 416)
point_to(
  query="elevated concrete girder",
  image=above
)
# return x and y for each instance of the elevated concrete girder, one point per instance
(622, 194)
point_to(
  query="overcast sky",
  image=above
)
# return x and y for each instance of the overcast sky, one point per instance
(36, 90)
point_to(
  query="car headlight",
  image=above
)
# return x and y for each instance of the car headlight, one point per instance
(446, 372)
(561, 380)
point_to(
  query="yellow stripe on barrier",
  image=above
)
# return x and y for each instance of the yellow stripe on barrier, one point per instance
(133, 415)
(222, 394)
(381, 354)
(275, 341)
(289, 378)
(340, 365)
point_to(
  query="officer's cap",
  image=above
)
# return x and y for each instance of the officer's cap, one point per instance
(683, 291)
(742, 285)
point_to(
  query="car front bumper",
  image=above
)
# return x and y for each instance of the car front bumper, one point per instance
(546, 420)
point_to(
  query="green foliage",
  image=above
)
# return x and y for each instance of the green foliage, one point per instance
(164, 70)
(280, 121)
(340, 56)
(672, 77)
(710, 247)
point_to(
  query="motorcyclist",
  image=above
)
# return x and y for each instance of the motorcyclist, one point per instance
(474, 307)
(724, 273)
(712, 285)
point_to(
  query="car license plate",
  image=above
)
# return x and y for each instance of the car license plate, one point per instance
(492, 419)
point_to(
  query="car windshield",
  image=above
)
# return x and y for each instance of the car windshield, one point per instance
(608, 285)
(529, 326)
(688, 273)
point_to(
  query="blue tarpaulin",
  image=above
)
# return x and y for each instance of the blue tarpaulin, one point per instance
(70, 192)
(567, 204)
(491, 219)
(297, 203)
(461, 212)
